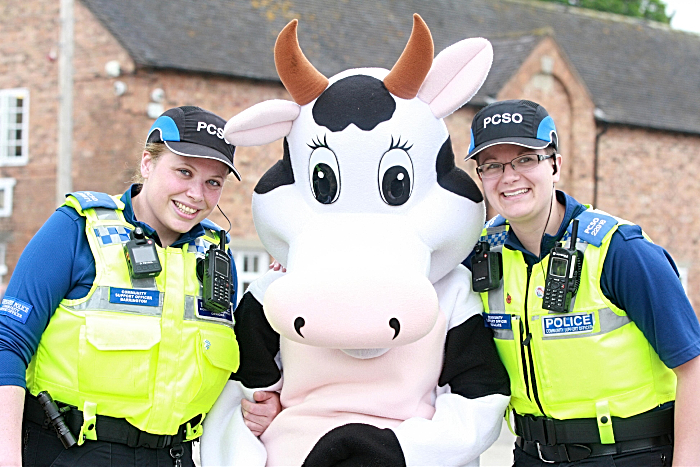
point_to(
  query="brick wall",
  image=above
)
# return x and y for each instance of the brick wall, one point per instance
(29, 43)
(651, 178)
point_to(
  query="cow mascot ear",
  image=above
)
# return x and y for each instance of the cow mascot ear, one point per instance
(262, 124)
(456, 75)
(271, 120)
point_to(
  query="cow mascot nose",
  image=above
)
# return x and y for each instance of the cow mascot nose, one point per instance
(373, 337)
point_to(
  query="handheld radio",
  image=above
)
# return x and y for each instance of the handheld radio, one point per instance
(218, 279)
(141, 255)
(563, 275)
(487, 268)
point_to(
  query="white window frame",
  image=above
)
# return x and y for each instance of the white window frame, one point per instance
(683, 276)
(247, 268)
(3, 266)
(8, 123)
(7, 186)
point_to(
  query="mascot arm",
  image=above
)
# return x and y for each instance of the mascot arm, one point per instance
(226, 439)
(474, 386)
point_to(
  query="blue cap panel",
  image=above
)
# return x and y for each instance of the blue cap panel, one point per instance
(471, 143)
(167, 127)
(545, 129)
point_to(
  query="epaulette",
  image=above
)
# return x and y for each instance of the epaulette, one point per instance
(212, 226)
(593, 226)
(80, 200)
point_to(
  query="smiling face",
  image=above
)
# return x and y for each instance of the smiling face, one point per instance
(178, 192)
(522, 198)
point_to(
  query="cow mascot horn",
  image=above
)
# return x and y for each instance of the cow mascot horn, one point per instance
(381, 341)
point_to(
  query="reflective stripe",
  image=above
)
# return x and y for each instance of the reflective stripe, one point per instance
(147, 283)
(608, 319)
(497, 302)
(99, 301)
(106, 214)
(190, 304)
(191, 312)
(503, 334)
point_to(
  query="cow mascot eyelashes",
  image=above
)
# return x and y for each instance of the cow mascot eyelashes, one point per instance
(385, 356)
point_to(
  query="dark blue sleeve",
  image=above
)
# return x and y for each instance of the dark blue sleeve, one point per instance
(56, 263)
(641, 278)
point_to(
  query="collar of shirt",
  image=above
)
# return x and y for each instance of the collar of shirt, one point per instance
(188, 237)
(572, 209)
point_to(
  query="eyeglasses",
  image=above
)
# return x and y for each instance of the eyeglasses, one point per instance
(520, 164)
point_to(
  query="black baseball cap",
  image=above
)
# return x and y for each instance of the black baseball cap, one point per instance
(194, 132)
(521, 122)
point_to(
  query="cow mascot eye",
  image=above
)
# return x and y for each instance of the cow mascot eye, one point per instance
(395, 177)
(324, 175)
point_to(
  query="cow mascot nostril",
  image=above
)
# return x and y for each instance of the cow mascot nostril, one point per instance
(396, 326)
(298, 324)
(385, 356)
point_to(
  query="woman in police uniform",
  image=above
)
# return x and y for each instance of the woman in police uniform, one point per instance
(596, 384)
(133, 363)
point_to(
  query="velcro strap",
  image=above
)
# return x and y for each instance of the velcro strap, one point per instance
(549, 431)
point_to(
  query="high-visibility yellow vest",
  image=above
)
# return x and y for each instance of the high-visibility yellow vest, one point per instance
(590, 362)
(139, 349)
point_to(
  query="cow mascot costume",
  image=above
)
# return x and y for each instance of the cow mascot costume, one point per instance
(373, 336)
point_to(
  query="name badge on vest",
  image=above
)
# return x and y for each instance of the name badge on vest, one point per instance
(566, 325)
(203, 313)
(134, 297)
(497, 320)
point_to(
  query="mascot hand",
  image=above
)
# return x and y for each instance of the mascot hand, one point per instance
(357, 444)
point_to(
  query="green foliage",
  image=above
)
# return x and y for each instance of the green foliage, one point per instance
(650, 9)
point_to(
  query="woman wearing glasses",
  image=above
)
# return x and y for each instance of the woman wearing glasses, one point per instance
(602, 348)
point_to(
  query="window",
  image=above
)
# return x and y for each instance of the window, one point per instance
(250, 264)
(6, 189)
(14, 126)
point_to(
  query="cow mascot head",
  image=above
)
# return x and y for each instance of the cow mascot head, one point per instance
(374, 327)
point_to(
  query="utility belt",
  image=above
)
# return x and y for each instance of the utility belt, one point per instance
(109, 429)
(571, 440)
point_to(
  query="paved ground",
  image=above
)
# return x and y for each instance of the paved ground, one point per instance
(500, 454)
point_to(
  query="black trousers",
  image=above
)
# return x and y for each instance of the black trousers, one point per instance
(661, 456)
(42, 448)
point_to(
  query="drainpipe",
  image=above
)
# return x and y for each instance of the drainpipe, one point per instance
(64, 176)
(600, 117)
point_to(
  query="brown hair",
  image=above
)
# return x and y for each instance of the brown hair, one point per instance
(155, 150)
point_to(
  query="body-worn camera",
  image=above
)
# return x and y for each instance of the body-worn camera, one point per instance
(217, 280)
(563, 275)
(487, 268)
(141, 255)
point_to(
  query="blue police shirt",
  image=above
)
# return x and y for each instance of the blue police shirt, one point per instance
(56, 264)
(640, 278)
